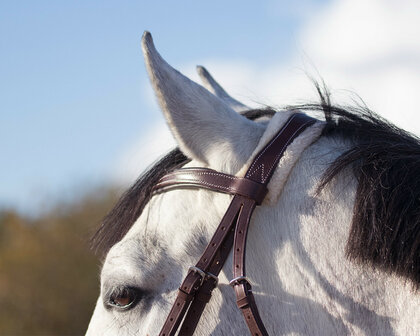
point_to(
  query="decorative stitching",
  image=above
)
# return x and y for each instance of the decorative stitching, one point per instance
(198, 172)
(197, 180)
(272, 140)
(256, 169)
(207, 183)
(285, 145)
(263, 176)
(262, 172)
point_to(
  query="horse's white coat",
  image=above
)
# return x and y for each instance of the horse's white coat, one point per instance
(304, 285)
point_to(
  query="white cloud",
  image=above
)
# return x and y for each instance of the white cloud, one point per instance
(373, 48)
(351, 33)
(368, 47)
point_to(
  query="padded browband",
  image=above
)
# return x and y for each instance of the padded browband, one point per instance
(213, 180)
(201, 279)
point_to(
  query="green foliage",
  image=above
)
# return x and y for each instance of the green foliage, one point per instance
(49, 279)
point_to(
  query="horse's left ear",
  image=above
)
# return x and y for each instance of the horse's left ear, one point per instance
(205, 128)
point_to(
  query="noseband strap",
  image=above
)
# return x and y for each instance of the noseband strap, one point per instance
(196, 289)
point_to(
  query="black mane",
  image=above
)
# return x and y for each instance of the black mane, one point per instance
(385, 159)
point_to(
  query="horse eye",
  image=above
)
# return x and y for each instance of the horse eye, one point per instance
(123, 297)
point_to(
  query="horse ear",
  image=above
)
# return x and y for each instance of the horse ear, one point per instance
(205, 128)
(215, 88)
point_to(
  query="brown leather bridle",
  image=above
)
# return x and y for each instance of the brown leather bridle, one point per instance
(249, 191)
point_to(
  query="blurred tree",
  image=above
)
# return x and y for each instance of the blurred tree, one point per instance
(49, 279)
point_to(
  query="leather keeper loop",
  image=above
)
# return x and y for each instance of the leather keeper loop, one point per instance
(242, 303)
(185, 296)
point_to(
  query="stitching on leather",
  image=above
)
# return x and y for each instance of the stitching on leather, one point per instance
(263, 178)
(284, 146)
(272, 141)
(256, 169)
(215, 174)
(209, 184)
(198, 172)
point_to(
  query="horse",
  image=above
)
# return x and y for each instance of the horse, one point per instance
(332, 250)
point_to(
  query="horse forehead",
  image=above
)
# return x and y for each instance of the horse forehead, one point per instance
(134, 261)
(168, 224)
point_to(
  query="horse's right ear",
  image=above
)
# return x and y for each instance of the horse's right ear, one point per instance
(205, 128)
(210, 84)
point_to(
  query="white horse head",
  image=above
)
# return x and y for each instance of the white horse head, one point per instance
(316, 266)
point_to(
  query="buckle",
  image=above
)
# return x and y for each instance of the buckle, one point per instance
(239, 280)
(204, 275)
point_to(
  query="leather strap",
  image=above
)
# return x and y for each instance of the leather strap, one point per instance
(213, 180)
(261, 170)
(212, 259)
(201, 279)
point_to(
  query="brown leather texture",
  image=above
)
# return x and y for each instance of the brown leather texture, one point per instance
(195, 291)
(212, 261)
(213, 180)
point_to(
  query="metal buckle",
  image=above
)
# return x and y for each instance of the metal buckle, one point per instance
(204, 275)
(238, 280)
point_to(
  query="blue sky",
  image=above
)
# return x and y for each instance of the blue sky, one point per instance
(73, 87)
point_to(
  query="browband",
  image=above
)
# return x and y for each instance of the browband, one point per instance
(213, 180)
(249, 191)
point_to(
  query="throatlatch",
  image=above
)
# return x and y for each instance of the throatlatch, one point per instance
(249, 191)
